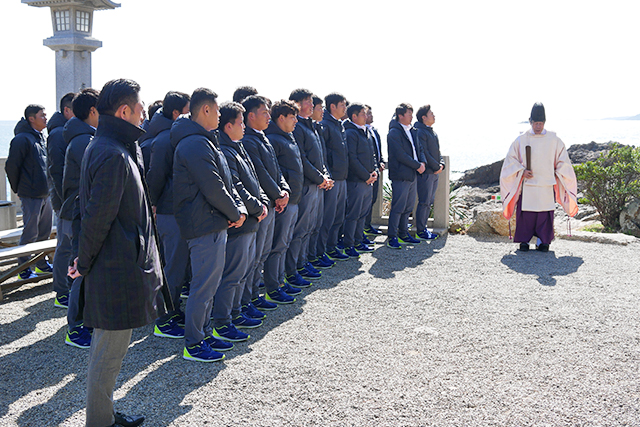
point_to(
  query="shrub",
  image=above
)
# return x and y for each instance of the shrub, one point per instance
(610, 181)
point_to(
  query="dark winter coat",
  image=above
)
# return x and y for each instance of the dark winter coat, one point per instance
(289, 159)
(26, 165)
(56, 150)
(335, 140)
(430, 145)
(204, 199)
(311, 151)
(77, 135)
(266, 165)
(402, 165)
(118, 251)
(160, 167)
(361, 155)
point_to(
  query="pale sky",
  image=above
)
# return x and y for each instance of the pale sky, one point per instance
(478, 64)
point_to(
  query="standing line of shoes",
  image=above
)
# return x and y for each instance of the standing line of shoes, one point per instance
(424, 235)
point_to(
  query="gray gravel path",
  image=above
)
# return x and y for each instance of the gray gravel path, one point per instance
(462, 331)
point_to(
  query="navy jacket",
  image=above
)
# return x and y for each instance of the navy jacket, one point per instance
(311, 151)
(204, 199)
(335, 140)
(378, 145)
(266, 165)
(160, 167)
(289, 159)
(118, 253)
(26, 165)
(402, 165)
(77, 135)
(430, 145)
(56, 150)
(246, 183)
(361, 155)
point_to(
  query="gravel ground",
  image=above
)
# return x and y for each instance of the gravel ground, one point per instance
(462, 331)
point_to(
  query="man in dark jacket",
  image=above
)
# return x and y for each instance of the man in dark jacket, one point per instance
(26, 170)
(117, 252)
(160, 181)
(283, 121)
(205, 205)
(406, 160)
(316, 178)
(274, 185)
(362, 175)
(428, 181)
(335, 199)
(241, 241)
(77, 133)
(368, 228)
(146, 140)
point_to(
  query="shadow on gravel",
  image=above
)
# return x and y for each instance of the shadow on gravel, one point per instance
(544, 265)
(388, 261)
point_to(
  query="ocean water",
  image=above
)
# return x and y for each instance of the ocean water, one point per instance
(470, 145)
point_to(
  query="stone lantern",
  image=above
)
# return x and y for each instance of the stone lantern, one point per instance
(72, 42)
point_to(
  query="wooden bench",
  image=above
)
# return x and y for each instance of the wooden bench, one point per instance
(11, 237)
(37, 251)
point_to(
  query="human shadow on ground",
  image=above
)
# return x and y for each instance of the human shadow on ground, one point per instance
(545, 265)
(389, 261)
(53, 375)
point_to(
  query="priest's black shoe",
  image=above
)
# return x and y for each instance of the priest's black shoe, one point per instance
(524, 247)
(543, 247)
(128, 420)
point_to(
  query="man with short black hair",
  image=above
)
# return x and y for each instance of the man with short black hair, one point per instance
(276, 188)
(118, 254)
(428, 181)
(26, 169)
(283, 121)
(77, 133)
(205, 204)
(406, 160)
(146, 140)
(160, 181)
(243, 92)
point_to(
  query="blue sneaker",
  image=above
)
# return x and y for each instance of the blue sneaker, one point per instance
(279, 297)
(340, 244)
(337, 255)
(367, 241)
(168, 329)
(308, 273)
(178, 318)
(79, 337)
(201, 352)
(47, 268)
(184, 292)
(408, 240)
(242, 321)
(352, 252)
(230, 333)
(27, 274)
(252, 312)
(61, 301)
(426, 235)
(290, 290)
(372, 231)
(323, 262)
(364, 248)
(261, 285)
(298, 280)
(393, 243)
(218, 345)
(262, 304)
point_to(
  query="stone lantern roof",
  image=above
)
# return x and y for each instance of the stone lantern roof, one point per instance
(93, 4)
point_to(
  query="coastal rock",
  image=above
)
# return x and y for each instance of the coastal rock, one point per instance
(483, 175)
(488, 219)
(630, 218)
(581, 153)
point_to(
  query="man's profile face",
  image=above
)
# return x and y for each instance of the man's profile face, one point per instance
(429, 119)
(260, 118)
(340, 109)
(317, 113)
(369, 116)
(235, 129)
(39, 121)
(289, 123)
(361, 118)
(538, 127)
(134, 113)
(214, 116)
(406, 118)
(306, 107)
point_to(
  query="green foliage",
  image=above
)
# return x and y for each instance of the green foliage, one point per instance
(455, 209)
(610, 182)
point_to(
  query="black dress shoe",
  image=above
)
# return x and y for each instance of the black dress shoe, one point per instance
(524, 247)
(128, 420)
(543, 247)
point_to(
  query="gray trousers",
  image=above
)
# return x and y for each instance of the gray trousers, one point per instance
(358, 201)
(238, 257)
(427, 185)
(296, 256)
(37, 217)
(207, 254)
(374, 198)
(335, 203)
(108, 348)
(264, 241)
(314, 235)
(61, 260)
(282, 235)
(176, 256)
(403, 200)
